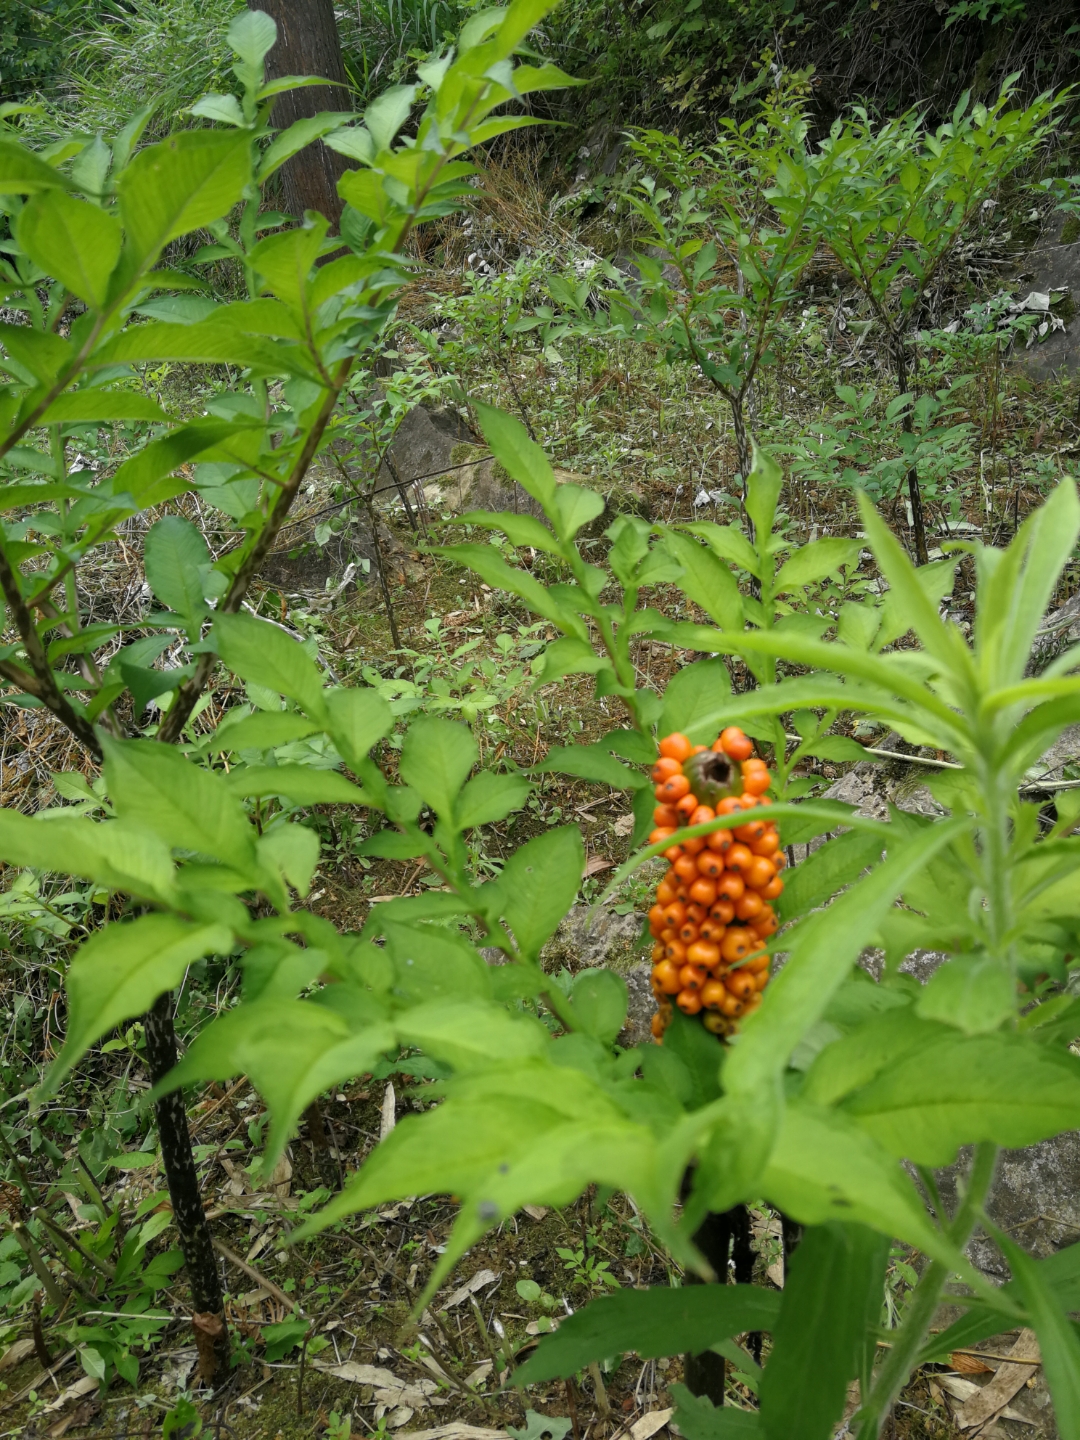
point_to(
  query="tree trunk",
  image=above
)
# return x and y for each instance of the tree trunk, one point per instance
(308, 44)
(208, 1320)
(918, 523)
(720, 1238)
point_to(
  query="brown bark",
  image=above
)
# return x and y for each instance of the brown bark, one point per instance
(308, 44)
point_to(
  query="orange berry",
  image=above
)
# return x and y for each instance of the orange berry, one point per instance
(773, 890)
(665, 892)
(657, 952)
(688, 932)
(767, 923)
(666, 975)
(686, 868)
(740, 984)
(686, 807)
(710, 864)
(750, 832)
(748, 801)
(734, 743)
(719, 841)
(702, 815)
(729, 805)
(768, 844)
(703, 892)
(736, 945)
(665, 767)
(712, 994)
(657, 916)
(657, 1026)
(668, 934)
(675, 913)
(723, 912)
(696, 913)
(761, 979)
(666, 816)
(689, 1001)
(748, 907)
(693, 977)
(675, 951)
(757, 963)
(694, 845)
(662, 832)
(759, 872)
(703, 953)
(671, 790)
(697, 749)
(740, 858)
(676, 746)
(713, 931)
(731, 1005)
(730, 886)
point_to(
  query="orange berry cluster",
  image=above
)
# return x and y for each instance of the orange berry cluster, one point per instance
(712, 913)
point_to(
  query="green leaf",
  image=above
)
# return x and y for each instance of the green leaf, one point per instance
(144, 475)
(112, 853)
(574, 507)
(489, 798)
(292, 849)
(832, 1301)
(975, 993)
(119, 973)
(1058, 1341)
(386, 114)
(699, 1419)
(591, 762)
(599, 998)
(763, 486)
(653, 1322)
(301, 784)
(434, 964)
(176, 561)
(81, 405)
(186, 806)
(23, 173)
(359, 718)
(436, 759)
(957, 1091)
(692, 697)
(837, 747)
(524, 531)
(264, 654)
(494, 571)
(392, 845)
(181, 184)
(828, 869)
(73, 240)
(265, 730)
(468, 1034)
(814, 562)
(707, 581)
(570, 656)
(292, 1050)
(251, 35)
(521, 457)
(538, 885)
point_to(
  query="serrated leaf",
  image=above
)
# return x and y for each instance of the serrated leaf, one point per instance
(176, 559)
(814, 562)
(76, 242)
(181, 184)
(488, 798)
(591, 762)
(358, 718)
(826, 870)
(436, 758)
(538, 885)
(707, 581)
(121, 970)
(692, 698)
(301, 784)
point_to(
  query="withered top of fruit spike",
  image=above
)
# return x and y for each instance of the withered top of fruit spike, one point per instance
(712, 776)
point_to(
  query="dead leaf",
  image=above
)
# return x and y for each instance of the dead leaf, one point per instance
(389, 1111)
(595, 864)
(996, 1393)
(359, 1374)
(647, 1426)
(966, 1364)
(73, 1392)
(624, 825)
(280, 1178)
(478, 1281)
(482, 1371)
(16, 1354)
(535, 1212)
(456, 1432)
(963, 1390)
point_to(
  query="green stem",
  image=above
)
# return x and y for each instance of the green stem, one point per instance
(924, 1301)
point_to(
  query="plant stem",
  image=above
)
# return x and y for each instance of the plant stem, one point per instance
(925, 1299)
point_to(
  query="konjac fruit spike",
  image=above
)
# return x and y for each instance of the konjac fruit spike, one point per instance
(712, 914)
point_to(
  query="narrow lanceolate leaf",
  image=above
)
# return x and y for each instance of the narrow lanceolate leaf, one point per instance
(264, 654)
(182, 183)
(818, 1341)
(121, 970)
(436, 759)
(659, 1321)
(186, 806)
(113, 853)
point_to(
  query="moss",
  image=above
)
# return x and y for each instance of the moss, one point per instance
(1070, 231)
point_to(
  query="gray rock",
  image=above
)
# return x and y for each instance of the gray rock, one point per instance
(587, 941)
(1054, 265)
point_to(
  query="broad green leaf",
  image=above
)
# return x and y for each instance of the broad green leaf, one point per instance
(225, 109)
(825, 1168)
(958, 1091)
(393, 845)
(814, 562)
(436, 759)
(591, 762)
(24, 173)
(181, 184)
(80, 405)
(763, 486)
(176, 560)
(186, 806)
(820, 954)
(294, 850)
(1059, 1344)
(119, 973)
(251, 35)
(826, 870)
(468, 1034)
(853, 1060)
(692, 698)
(832, 1301)
(265, 730)
(145, 475)
(264, 654)
(292, 1050)
(386, 114)
(699, 1419)
(358, 719)
(574, 507)
(538, 885)
(524, 531)
(570, 656)
(599, 998)
(494, 571)
(707, 581)
(113, 853)
(433, 964)
(301, 784)
(73, 240)
(488, 798)
(521, 457)
(837, 747)
(975, 993)
(653, 1322)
